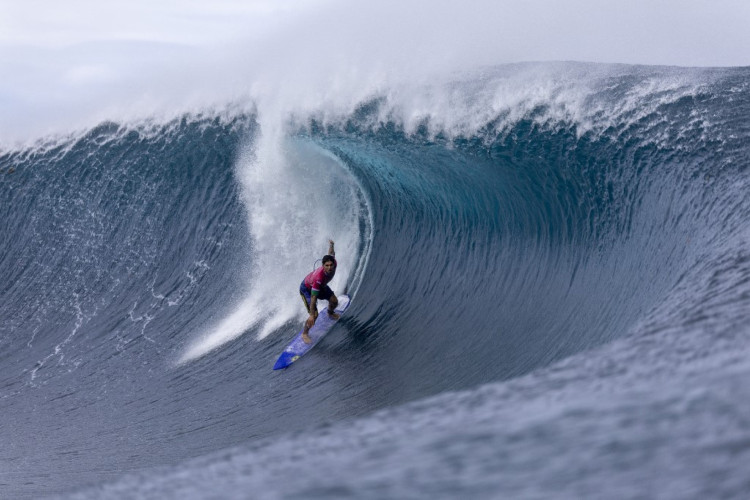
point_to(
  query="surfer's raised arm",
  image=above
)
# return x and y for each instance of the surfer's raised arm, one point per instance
(330, 248)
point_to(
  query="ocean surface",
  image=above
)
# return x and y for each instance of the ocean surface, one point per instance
(549, 267)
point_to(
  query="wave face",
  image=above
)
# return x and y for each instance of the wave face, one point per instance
(552, 280)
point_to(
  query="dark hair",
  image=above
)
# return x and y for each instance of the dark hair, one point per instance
(328, 258)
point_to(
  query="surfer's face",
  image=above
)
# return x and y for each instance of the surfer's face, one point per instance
(329, 268)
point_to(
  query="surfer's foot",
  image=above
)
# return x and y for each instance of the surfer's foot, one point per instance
(306, 338)
(333, 314)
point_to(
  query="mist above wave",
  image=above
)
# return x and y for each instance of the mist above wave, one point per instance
(306, 57)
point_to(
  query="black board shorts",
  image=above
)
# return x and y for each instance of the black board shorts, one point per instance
(325, 294)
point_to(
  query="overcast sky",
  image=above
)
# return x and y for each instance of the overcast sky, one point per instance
(682, 32)
(77, 56)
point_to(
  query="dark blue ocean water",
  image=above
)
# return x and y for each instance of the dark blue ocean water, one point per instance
(551, 297)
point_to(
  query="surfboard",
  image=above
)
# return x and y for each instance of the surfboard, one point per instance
(297, 347)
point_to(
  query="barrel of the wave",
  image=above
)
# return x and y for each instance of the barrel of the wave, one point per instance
(298, 347)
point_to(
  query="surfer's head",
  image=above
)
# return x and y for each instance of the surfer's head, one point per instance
(329, 264)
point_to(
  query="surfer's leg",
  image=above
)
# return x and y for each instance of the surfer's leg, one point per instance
(305, 334)
(306, 302)
(306, 299)
(333, 302)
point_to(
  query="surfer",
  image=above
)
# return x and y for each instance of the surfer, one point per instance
(315, 286)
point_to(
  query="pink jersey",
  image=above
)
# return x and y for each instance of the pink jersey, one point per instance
(318, 279)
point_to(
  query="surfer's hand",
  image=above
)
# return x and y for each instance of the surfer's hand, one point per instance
(310, 321)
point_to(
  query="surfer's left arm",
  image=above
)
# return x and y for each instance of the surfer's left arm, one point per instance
(313, 309)
(330, 248)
